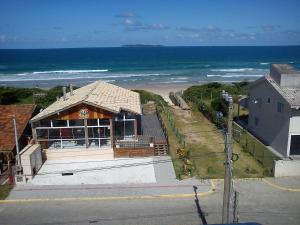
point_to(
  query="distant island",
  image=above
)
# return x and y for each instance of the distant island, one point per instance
(141, 45)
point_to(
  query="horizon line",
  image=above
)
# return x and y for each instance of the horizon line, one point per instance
(150, 46)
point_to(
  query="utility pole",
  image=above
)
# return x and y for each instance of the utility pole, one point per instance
(228, 164)
(19, 167)
(235, 207)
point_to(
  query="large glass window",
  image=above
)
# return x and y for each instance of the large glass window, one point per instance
(59, 123)
(76, 123)
(104, 122)
(45, 123)
(124, 129)
(92, 122)
(71, 134)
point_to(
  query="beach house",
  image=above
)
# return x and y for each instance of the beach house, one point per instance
(94, 121)
(274, 109)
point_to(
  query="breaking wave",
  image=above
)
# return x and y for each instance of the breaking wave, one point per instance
(233, 70)
(233, 75)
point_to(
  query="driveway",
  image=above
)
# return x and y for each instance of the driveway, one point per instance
(117, 171)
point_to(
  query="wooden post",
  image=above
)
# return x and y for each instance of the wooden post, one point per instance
(111, 132)
(86, 134)
(135, 126)
(34, 135)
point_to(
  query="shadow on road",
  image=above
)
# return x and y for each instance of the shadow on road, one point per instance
(199, 210)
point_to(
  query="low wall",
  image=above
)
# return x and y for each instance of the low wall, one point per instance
(79, 154)
(285, 168)
(136, 152)
(31, 159)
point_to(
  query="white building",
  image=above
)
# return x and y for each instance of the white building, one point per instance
(274, 109)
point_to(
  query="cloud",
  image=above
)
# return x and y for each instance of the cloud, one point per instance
(2, 38)
(206, 29)
(291, 32)
(268, 28)
(126, 15)
(130, 23)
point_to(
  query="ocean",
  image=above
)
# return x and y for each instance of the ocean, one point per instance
(140, 66)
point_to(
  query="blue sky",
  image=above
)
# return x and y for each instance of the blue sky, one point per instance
(91, 23)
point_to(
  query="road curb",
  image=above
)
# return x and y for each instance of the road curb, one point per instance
(281, 187)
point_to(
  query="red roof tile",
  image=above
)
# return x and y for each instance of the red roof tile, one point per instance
(23, 114)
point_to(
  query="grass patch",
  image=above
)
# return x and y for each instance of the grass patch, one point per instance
(4, 191)
(173, 146)
(206, 146)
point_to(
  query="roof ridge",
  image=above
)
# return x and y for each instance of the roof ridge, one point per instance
(92, 89)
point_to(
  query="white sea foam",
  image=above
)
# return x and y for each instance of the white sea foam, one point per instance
(264, 63)
(233, 70)
(173, 81)
(233, 75)
(70, 71)
(56, 75)
(179, 78)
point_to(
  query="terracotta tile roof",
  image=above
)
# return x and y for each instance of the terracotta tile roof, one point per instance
(23, 114)
(100, 94)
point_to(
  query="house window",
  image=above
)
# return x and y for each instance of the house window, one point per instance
(280, 107)
(295, 145)
(256, 121)
(269, 100)
(75, 123)
(59, 123)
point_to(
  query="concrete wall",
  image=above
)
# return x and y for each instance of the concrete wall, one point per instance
(283, 168)
(290, 80)
(79, 154)
(273, 126)
(275, 74)
(31, 159)
(295, 123)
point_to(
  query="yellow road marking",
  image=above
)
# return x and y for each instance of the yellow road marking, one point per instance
(280, 187)
(170, 196)
(98, 198)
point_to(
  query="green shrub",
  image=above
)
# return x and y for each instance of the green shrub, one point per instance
(219, 104)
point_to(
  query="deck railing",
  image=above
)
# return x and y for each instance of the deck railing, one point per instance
(139, 141)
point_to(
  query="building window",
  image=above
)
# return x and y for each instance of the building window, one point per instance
(295, 145)
(280, 107)
(269, 100)
(59, 123)
(256, 121)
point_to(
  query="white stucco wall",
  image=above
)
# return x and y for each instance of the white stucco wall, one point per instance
(295, 122)
(284, 168)
(31, 159)
(273, 126)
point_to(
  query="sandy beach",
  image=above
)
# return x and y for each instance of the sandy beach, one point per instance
(163, 89)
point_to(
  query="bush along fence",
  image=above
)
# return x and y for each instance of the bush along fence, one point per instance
(247, 141)
(182, 150)
(257, 149)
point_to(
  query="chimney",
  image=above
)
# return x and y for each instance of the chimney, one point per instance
(71, 89)
(64, 93)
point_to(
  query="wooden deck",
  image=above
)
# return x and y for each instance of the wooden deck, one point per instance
(152, 127)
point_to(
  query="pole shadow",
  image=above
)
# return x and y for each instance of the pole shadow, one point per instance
(201, 214)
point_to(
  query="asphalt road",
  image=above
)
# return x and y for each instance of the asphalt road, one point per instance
(266, 202)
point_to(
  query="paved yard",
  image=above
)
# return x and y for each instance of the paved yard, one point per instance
(117, 171)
